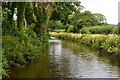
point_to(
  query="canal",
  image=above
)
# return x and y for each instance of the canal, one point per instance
(67, 59)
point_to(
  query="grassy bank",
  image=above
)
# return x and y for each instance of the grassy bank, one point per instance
(108, 43)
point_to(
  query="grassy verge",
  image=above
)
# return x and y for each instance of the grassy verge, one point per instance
(108, 43)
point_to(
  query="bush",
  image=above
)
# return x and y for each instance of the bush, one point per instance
(109, 29)
(55, 25)
(16, 51)
(72, 28)
(19, 48)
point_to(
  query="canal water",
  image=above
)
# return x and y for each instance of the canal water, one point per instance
(67, 59)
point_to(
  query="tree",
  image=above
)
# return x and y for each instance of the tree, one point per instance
(100, 18)
(64, 9)
(21, 15)
(83, 19)
(8, 23)
(29, 14)
(43, 13)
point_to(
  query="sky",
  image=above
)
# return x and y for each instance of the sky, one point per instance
(109, 8)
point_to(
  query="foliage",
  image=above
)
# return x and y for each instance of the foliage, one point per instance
(25, 36)
(61, 14)
(86, 19)
(20, 47)
(55, 25)
(79, 20)
(29, 14)
(109, 29)
(100, 18)
(5, 22)
(63, 10)
(72, 28)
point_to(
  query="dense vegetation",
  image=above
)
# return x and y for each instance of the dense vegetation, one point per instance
(22, 37)
(25, 27)
(108, 29)
(107, 43)
(78, 20)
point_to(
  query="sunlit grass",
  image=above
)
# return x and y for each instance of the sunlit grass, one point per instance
(109, 43)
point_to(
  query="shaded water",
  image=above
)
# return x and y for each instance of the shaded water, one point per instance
(68, 59)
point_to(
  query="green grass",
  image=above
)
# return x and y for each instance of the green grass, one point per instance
(59, 30)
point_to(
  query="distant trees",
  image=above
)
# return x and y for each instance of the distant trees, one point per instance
(100, 18)
(61, 14)
(83, 19)
(86, 19)
(71, 17)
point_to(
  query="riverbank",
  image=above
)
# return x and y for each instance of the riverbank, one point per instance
(68, 59)
(108, 43)
(18, 50)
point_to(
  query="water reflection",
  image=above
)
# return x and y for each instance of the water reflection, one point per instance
(69, 60)
(79, 61)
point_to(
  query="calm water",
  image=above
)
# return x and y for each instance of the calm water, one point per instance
(68, 59)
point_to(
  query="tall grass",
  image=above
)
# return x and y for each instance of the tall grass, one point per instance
(108, 43)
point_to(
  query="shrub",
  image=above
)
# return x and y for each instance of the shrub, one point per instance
(72, 28)
(55, 25)
(109, 29)
(19, 48)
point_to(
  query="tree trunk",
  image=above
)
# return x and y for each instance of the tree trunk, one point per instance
(21, 15)
(11, 6)
(43, 13)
